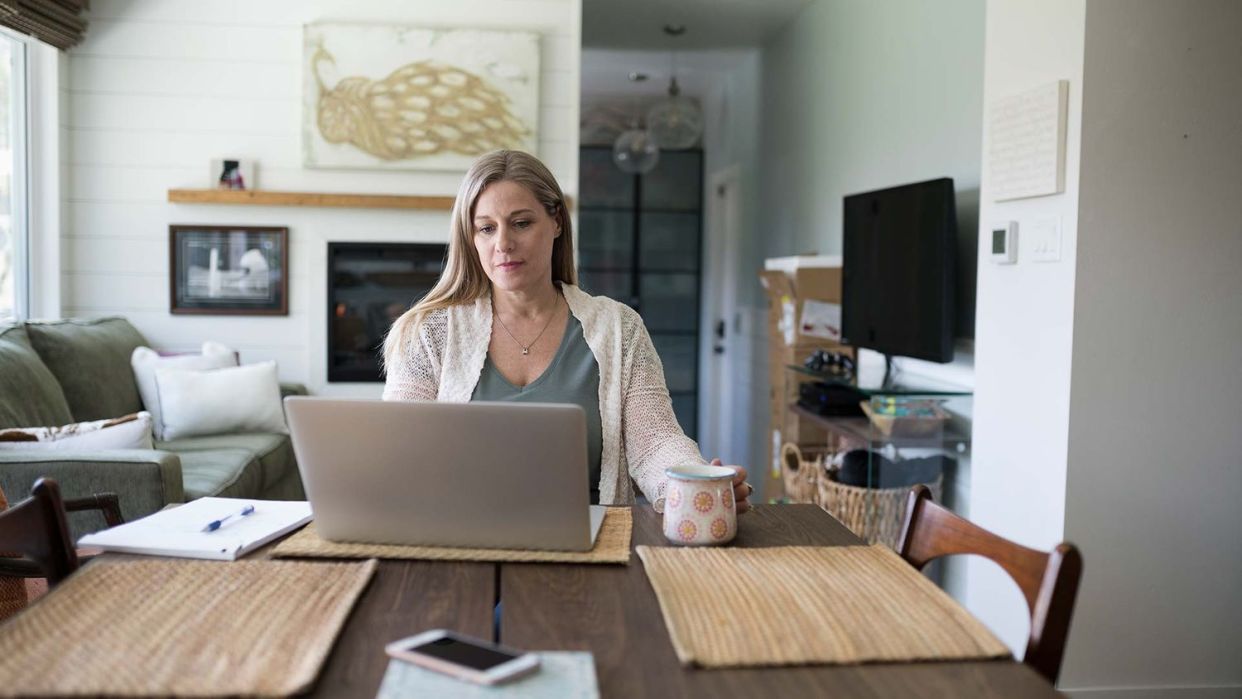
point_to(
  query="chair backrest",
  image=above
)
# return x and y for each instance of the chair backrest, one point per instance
(1049, 581)
(36, 528)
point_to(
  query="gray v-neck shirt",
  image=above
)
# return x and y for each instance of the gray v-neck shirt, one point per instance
(572, 377)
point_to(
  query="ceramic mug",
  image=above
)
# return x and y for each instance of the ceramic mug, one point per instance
(698, 505)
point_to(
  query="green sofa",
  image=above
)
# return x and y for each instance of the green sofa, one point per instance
(59, 372)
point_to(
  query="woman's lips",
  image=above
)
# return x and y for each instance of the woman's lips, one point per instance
(509, 266)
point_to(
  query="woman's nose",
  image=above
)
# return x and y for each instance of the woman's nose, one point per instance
(504, 239)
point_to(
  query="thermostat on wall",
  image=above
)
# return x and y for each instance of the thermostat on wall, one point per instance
(1005, 243)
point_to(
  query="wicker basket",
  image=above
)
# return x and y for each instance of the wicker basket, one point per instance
(800, 474)
(875, 514)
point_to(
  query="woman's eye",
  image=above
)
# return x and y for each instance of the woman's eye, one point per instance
(486, 230)
(522, 224)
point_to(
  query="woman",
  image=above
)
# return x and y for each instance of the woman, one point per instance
(506, 321)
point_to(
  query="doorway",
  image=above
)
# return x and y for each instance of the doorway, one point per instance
(725, 416)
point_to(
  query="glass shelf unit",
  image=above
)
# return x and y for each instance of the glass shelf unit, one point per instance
(861, 473)
(899, 386)
(861, 429)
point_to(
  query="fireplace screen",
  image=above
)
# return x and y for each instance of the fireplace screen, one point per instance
(369, 285)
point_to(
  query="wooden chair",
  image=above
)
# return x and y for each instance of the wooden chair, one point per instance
(107, 503)
(1049, 581)
(36, 528)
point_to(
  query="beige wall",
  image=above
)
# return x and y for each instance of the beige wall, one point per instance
(1155, 450)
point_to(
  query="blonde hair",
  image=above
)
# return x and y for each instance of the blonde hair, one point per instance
(463, 280)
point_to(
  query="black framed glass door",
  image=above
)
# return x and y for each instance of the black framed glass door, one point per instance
(640, 242)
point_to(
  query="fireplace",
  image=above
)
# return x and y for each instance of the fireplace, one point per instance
(369, 285)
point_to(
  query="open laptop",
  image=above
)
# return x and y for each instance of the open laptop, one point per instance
(480, 475)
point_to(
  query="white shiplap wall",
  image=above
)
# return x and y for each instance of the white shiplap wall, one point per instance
(160, 87)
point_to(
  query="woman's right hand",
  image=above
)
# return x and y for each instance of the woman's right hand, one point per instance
(741, 489)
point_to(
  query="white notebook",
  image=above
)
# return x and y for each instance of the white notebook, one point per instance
(178, 531)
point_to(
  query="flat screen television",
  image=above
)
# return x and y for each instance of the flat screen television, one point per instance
(899, 247)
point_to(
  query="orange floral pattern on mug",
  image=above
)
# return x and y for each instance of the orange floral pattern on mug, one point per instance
(703, 501)
(720, 528)
(674, 497)
(726, 497)
(686, 529)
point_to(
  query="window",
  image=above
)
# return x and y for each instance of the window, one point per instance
(14, 247)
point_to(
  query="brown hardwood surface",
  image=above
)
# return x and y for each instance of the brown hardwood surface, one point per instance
(612, 612)
(259, 197)
(265, 198)
(405, 598)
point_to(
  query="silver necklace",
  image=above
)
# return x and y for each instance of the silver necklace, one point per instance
(526, 348)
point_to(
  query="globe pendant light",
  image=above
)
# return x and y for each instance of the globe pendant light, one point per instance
(635, 151)
(675, 121)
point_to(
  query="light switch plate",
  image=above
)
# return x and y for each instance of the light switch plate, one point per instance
(1045, 237)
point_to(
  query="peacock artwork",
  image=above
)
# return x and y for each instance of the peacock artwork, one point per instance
(408, 98)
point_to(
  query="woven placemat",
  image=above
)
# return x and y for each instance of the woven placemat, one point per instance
(612, 545)
(181, 628)
(794, 605)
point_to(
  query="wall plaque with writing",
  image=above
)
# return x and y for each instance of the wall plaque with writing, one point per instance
(1026, 149)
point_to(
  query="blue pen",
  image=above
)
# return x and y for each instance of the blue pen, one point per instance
(212, 526)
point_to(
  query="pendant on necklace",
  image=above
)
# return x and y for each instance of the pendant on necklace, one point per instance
(525, 351)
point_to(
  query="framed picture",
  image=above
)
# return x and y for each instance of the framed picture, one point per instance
(233, 173)
(229, 270)
(393, 97)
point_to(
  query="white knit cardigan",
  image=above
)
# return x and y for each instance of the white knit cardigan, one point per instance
(638, 428)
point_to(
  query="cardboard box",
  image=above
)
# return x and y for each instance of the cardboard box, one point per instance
(790, 283)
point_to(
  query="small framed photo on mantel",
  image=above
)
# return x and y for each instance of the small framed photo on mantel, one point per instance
(229, 270)
(233, 173)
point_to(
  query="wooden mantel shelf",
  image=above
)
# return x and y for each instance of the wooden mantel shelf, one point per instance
(263, 198)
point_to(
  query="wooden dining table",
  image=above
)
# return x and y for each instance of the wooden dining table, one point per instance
(612, 611)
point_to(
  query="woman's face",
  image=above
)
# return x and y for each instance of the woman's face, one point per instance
(513, 235)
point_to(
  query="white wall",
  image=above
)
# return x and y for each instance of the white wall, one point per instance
(160, 87)
(865, 95)
(1155, 454)
(859, 96)
(1024, 321)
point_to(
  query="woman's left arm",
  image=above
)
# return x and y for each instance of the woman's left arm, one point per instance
(653, 438)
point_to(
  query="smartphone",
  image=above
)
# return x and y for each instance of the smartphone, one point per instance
(463, 657)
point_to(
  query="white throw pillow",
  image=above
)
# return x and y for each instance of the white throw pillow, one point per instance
(221, 401)
(145, 361)
(128, 432)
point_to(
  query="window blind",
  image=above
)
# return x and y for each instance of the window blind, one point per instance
(56, 22)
